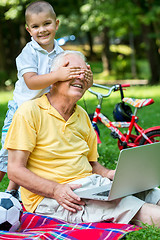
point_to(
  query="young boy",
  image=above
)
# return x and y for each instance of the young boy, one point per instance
(34, 76)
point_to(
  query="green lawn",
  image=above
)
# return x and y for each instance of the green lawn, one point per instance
(5, 96)
(108, 151)
(148, 116)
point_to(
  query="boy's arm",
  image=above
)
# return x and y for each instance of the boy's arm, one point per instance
(64, 73)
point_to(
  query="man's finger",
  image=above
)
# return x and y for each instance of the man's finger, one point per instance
(68, 208)
(72, 205)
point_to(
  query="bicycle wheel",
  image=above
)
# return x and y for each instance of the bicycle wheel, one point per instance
(153, 135)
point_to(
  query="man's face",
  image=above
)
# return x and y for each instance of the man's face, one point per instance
(76, 87)
(42, 27)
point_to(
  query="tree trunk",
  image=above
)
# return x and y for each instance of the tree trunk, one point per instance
(133, 59)
(2, 51)
(106, 54)
(3, 59)
(22, 31)
(152, 52)
(90, 41)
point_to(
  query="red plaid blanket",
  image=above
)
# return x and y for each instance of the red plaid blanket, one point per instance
(39, 227)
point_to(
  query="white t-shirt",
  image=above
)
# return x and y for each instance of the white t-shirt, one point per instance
(33, 58)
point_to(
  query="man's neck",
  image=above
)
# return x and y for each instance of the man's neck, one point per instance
(65, 110)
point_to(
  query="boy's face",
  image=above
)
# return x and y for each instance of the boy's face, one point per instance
(42, 27)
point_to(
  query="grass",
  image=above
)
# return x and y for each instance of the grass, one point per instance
(146, 233)
(148, 116)
(5, 96)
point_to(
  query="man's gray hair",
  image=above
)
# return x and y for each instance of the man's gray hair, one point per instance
(59, 59)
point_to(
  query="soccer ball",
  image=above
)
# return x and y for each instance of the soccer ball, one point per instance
(10, 211)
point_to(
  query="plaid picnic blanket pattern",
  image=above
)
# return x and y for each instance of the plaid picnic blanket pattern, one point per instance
(39, 227)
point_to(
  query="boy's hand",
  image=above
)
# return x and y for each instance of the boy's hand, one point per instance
(66, 73)
(89, 76)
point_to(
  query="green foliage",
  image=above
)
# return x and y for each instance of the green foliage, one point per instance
(87, 20)
(121, 69)
(4, 183)
(146, 233)
(13, 8)
(119, 16)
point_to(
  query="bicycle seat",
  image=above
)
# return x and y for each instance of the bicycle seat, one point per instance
(138, 103)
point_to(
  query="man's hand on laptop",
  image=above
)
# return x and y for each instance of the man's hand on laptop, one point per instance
(64, 195)
(111, 174)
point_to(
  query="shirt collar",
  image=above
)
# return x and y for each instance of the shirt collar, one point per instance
(43, 102)
(39, 48)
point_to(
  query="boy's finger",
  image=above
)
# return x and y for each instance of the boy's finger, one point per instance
(66, 64)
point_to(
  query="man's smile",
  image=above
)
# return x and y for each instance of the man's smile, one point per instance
(77, 85)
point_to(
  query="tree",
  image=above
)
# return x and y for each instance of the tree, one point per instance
(110, 19)
(119, 18)
(149, 16)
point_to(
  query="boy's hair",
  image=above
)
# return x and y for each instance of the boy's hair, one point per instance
(59, 58)
(38, 7)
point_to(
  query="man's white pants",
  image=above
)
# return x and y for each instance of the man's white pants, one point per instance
(120, 210)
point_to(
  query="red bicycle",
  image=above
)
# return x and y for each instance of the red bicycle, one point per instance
(124, 118)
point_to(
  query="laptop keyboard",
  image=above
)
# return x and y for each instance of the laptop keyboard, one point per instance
(105, 193)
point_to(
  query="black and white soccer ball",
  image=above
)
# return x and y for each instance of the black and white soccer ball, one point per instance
(10, 212)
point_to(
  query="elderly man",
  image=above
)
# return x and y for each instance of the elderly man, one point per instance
(53, 151)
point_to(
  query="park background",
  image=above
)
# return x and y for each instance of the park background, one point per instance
(121, 40)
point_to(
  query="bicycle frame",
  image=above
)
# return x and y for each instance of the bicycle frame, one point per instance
(113, 126)
(128, 139)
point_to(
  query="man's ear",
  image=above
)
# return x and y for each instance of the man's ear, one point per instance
(51, 87)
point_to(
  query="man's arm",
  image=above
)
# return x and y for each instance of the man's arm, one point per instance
(62, 193)
(104, 172)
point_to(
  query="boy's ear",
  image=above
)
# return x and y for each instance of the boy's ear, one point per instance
(57, 24)
(27, 28)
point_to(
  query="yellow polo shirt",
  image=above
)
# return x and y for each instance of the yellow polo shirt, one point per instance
(60, 150)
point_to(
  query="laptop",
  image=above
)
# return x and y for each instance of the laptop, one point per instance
(138, 169)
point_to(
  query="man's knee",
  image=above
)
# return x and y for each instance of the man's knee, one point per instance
(148, 213)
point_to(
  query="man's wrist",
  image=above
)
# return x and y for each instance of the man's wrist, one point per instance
(54, 188)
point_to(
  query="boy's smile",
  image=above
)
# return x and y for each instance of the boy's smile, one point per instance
(42, 27)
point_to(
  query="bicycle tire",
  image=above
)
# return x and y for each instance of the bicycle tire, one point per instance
(153, 135)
